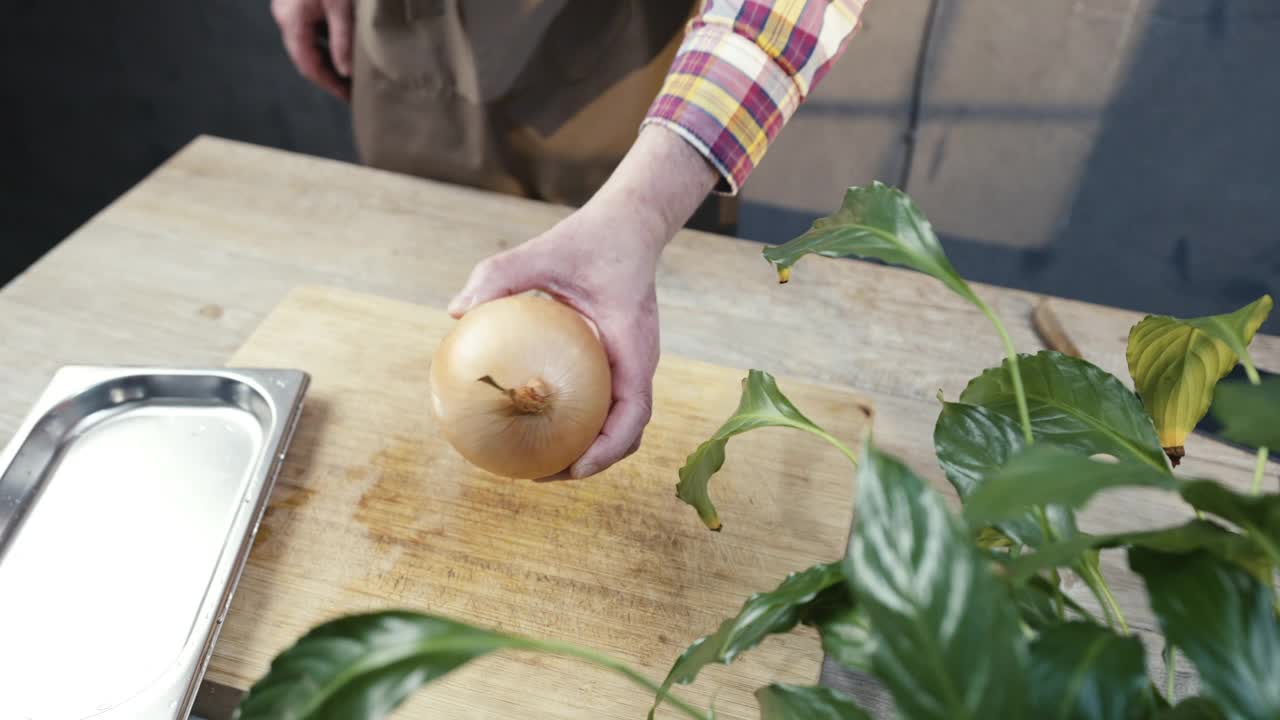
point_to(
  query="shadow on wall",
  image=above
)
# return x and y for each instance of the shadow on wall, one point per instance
(105, 92)
(1173, 209)
(1178, 199)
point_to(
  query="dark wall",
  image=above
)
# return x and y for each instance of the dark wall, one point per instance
(97, 94)
(1174, 211)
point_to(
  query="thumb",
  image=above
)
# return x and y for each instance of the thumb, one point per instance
(508, 273)
(339, 16)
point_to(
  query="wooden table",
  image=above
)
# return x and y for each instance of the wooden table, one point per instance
(181, 269)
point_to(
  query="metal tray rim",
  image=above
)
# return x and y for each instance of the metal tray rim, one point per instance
(283, 391)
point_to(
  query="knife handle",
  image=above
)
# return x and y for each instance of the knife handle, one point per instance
(1050, 330)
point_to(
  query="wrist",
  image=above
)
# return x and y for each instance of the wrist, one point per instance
(657, 186)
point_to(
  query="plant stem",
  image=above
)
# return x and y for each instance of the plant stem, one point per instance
(1109, 599)
(839, 445)
(1249, 370)
(1011, 353)
(1258, 468)
(1096, 581)
(1115, 608)
(1024, 417)
(1057, 594)
(1169, 656)
(1092, 582)
(1254, 379)
(1261, 538)
(1269, 547)
(1043, 518)
(621, 668)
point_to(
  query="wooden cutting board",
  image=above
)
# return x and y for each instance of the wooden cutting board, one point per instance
(373, 510)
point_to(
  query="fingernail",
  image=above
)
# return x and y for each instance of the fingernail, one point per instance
(585, 470)
(459, 304)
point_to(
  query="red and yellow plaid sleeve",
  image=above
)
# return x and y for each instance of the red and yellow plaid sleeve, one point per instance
(743, 70)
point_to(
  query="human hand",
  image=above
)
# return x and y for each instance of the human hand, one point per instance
(601, 260)
(299, 22)
(602, 265)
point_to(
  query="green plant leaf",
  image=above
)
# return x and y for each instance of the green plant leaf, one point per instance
(1036, 609)
(1194, 535)
(933, 598)
(1196, 708)
(1237, 329)
(877, 222)
(971, 443)
(843, 627)
(1250, 414)
(1222, 619)
(1080, 671)
(1046, 475)
(1202, 535)
(1175, 365)
(1261, 512)
(882, 223)
(848, 640)
(762, 405)
(1035, 600)
(1257, 515)
(763, 614)
(364, 666)
(1074, 405)
(361, 667)
(793, 702)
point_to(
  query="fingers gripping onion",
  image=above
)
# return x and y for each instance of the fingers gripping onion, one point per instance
(521, 386)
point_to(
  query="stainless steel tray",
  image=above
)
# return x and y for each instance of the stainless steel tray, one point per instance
(129, 500)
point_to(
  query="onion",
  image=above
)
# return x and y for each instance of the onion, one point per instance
(521, 386)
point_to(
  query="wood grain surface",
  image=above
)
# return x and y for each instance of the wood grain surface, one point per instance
(374, 510)
(183, 267)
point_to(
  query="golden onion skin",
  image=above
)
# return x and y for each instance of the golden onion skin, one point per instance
(548, 392)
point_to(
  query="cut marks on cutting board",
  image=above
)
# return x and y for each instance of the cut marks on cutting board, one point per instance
(373, 510)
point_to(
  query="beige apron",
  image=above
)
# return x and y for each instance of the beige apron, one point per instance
(538, 98)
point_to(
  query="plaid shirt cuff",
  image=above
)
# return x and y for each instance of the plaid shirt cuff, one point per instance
(727, 98)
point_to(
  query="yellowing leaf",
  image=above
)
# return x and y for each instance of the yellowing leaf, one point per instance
(1175, 365)
(1237, 329)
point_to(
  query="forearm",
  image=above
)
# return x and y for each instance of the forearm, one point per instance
(658, 185)
(601, 261)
